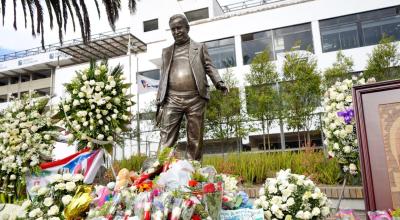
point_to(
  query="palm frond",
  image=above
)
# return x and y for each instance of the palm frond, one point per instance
(65, 14)
(15, 14)
(86, 20)
(97, 7)
(30, 7)
(132, 6)
(50, 11)
(23, 2)
(3, 9)
(78, 14)
(71, 13)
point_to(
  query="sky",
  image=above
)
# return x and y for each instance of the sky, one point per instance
(12, 40)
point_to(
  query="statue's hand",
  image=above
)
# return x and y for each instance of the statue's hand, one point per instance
(221, 86)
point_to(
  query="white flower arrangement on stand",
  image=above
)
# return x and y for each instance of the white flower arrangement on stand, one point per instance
(50, 201)
(96, 107)
(339, 125)
(292, 196)
(27, 138)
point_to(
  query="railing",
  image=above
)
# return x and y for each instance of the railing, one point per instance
(246, 4)
(53, 47)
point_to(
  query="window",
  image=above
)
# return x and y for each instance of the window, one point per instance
(152, 74)
(361, 29)
(297, 37)
(376, 24)
(255, 43)
(222, 52)
(340, 33)
(197, 14)
(150, 25)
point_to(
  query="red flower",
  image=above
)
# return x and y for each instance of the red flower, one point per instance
(209, 188)
(193, 183)
(219, 186)
(196, 217)
(225, 199)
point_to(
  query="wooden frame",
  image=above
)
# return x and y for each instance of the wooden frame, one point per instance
(380, 172)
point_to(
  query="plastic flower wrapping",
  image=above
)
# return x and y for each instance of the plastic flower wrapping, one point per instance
(96, 107)
(27, 137)
(339, 124)
(292, 196)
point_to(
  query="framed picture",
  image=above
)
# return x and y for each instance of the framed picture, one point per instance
(377, 111)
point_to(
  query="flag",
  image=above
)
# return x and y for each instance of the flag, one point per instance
(85, 161)
(146, 84)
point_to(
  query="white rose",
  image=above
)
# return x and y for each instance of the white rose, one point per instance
(59, 186)
(290, 201)
(34, 128)
(352, 167)
(112, 83)
(84, 77)
(66, 199)
(77, 177)
(76, 103)
(347, 149)
(262, 191)
(110, 138)
(325, 211)
(67, 177)
(307, 215)
(42, 191)
(81, 94)
(70, 186)
(48, 201)
(56, 178)
(26, 204)
(316, 211)
(53, 210)
(97, 72)
(100, 137)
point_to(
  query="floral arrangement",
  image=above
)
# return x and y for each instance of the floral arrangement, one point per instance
(292, 196)
(339, 124)
(96, 107)
(27, 137)
(50, 201)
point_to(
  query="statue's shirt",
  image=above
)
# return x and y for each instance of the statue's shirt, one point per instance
(181, 76)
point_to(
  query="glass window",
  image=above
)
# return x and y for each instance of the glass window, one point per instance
(255, 43)
(298, 37)
(373, 31)
(150, 25)
(197, 14)
(361, 29)
(222, 52)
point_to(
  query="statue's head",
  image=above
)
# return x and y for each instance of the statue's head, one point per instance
(179, 28)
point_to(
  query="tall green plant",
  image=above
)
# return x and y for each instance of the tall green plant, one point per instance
(224, 116)
(339, 71)
(383, 63)
(262, 98)
(301, 92)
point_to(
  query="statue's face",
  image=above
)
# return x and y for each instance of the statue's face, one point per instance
(179, 30)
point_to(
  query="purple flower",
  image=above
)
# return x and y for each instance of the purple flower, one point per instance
(347, 114)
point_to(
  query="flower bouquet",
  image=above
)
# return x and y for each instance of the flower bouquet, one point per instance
(212, 199)
(339, 124)
(50, 201)
(96, 108)
(292, 196)
(27, 137)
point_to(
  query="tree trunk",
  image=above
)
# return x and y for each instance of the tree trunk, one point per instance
(308, 138)
(269, 141)
(263, 133)
(298, 137)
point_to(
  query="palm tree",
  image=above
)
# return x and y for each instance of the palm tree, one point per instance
(63, 10)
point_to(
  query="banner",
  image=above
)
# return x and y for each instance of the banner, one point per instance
(240, 214)
(146, 84)
(85, 161)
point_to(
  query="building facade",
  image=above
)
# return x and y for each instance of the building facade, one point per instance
(234, 34)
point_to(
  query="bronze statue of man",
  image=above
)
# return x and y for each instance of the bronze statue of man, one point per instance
(183, 88)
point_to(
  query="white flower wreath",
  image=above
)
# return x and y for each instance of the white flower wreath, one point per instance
(96, 107)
